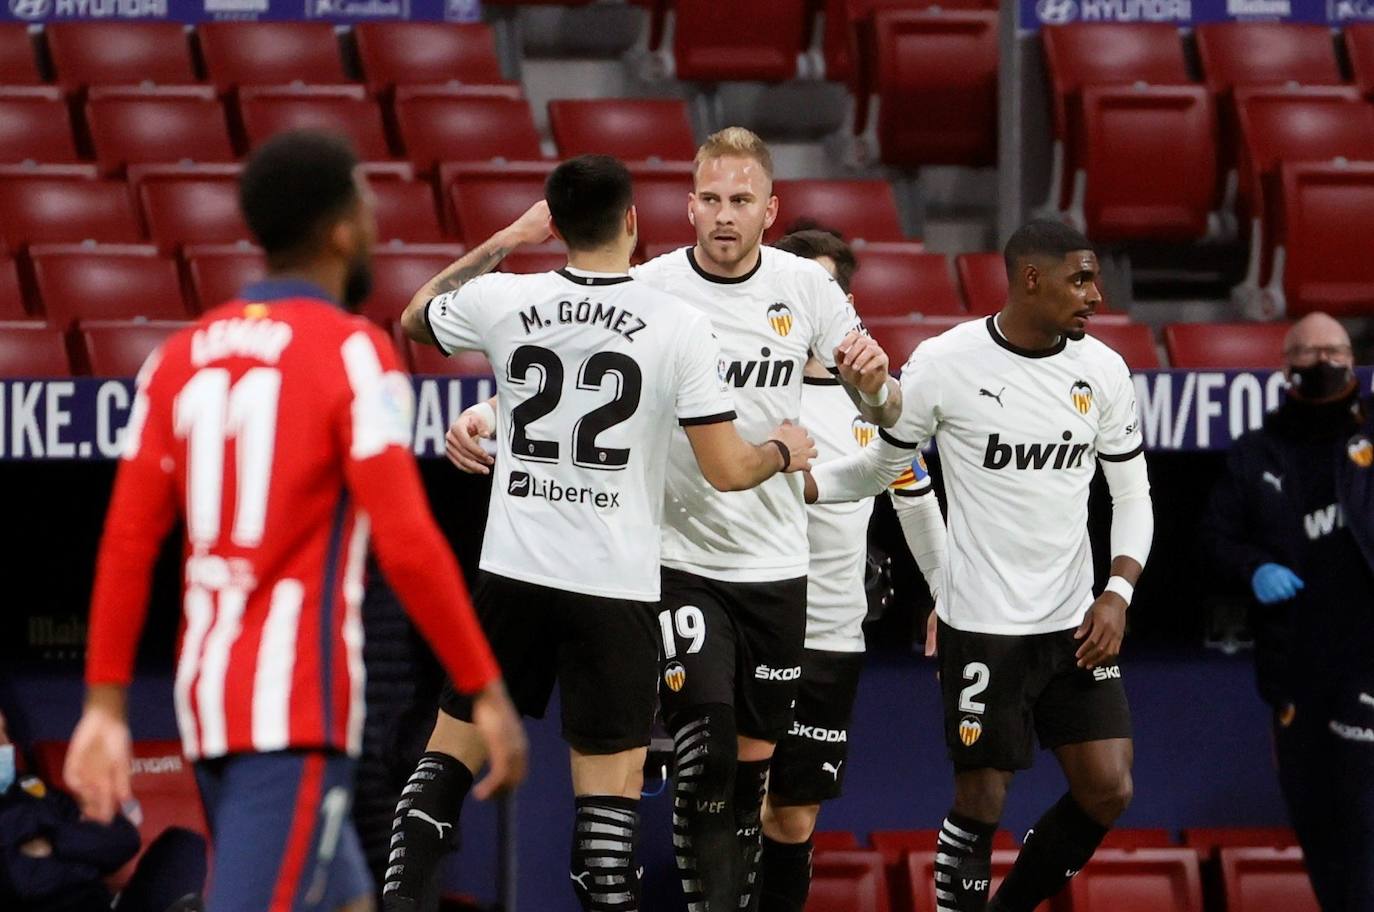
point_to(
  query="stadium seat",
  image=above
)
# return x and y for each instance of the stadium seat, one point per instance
(1139, 880)
(895, 845)
(40, 208)
(763, 41)
(487, 198)
(190, 205)
(919, 877)
(406, 212)
(18, 63)
(120, 53)
(545, 258)
(219, 271)
(35, 125)
(426, 359)
(342, 108)
(142, 126)
(848, 881)
(106, 282)
(628, 128)
(400, 271)
(118, 348)
(1266, 53)
(1225, 346)
(1080, 55)
(1136, 345)
(426, 53)
(1209, 840)
(1359, 47)
(983, 277)
(1150, 163)
(834, 841)
(1139, 837)
(32, 349)
(856, 208)
(439, 125)
(898, 280)
(270, 53)
(12, 306)
(1266, 880)
(900, 337)
(942, 63)
(1327, 223)
(661, 193)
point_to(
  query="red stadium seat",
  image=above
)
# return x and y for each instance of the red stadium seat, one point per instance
(1327, 224)
(341, 108)
(1103, 54)
(856, 208)
(439, 125)
(1266, 53)
(1209, 840)
(944, 65)
(400, 271)
(852, 881)
(900, 337)
(118, 348)
(661, 193)
(194, 205)
(1150, 162)
(120, 53)
(834, 841)
(40, 208)
(1141, 880)
(919, 877)
(12, 306)
(141, 126)
(487, 198)
(628, 128)
(545, 258)
(426, 359)
(898, 280)
(895, 845)
(1136, 345)
(1359, 45)
(32, 349)
(219, 271)
(983, 277)
(406, 212)
(1223, 346)
(35, 125)
(110, 282)
(427, 53)
(762, 42)
(1266, 880)
(1140, 837)
(18, 63)
(270, 53)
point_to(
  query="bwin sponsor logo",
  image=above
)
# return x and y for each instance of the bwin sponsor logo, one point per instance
(1321, 523)
(765, 673)
(816, 733)
(767, 372)
(1037, 456)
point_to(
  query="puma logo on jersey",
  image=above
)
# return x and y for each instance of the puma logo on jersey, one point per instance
(1274, 480)
(1321, 523)
(833, 769)
(1036, 456)
(437, 824)
(997, 396)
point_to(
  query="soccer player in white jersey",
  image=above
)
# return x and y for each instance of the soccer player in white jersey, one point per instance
(808, 766)
(734, 564)
(1023, 407)
(593, 371)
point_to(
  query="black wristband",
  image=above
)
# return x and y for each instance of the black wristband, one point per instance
(786, 453)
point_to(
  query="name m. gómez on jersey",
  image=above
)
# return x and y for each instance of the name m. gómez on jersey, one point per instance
(766, 322)
(1019, 435)
(593, 372)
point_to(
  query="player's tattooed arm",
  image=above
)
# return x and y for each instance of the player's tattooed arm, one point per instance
(863, 367)
(534, 227)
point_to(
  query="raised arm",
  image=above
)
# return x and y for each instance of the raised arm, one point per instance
(863, 368)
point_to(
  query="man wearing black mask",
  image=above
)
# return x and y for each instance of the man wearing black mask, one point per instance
(1294, 521)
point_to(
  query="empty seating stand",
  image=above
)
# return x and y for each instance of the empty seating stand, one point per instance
(661, 199)
(450, 124)
(270, 53)
(848, 881)
(399, 271)
(190, 205)
(12, 305)
(426, 53)
(139, 125)
(763, 40)
(1139, 880)
(35, 125)
(1327, 220)
(1266, 880)
(406, 212)
(1359, 46)
(345, 109)
(1266, 53)
(118, 282)
(898, 279)
(1235, 346)
(1209, 840)
(219, 271)
(983, 277)
(44, 207)
(120, 53)
(118, 348)
(32, 349)
(1136, 345)
(628, 128)
(487, 198)
(899, 338)
(858, 209)
(18, 62)
(920, 875)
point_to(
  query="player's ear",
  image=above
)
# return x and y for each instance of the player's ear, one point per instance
(770, 212)
(632, 222)
(1030, 277)
(692, 209)
(850, 298)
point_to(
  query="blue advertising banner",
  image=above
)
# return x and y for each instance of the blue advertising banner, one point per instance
(1035, 13)
(84, 418)
(193, 11)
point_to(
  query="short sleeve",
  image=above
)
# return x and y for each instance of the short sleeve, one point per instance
(381, 400)
(703, 396)
(455, 317)
(1118, 425)
(835, 316)
(920, 402)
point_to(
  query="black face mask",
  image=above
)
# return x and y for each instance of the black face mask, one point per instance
(358, 285)
(1322, 382)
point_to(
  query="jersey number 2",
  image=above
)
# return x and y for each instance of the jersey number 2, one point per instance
(978, 673)
(586, 453)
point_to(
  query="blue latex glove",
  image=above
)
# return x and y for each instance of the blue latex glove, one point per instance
(1274, 583)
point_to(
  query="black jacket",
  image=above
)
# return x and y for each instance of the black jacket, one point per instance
(1257, 516)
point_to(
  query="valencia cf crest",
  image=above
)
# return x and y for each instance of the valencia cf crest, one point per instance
(863, 431)
(780, 318)
(1081, 394)
(970, 730)
(675, 676)
(1360, 451)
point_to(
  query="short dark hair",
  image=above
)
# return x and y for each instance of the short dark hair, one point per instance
(812, 243)
(1042, 237)
(295, 185)
(588, 197)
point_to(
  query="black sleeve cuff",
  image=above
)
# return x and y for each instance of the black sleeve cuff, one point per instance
(918, 492)
(429, 324)
(1122, 457)
(707, 419)
(882, 432)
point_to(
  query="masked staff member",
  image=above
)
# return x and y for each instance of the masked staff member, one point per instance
(1294, 521)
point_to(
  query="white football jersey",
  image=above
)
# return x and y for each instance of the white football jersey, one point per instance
(1019, 434)
(766, 322)
(593, 374)
(836, 602)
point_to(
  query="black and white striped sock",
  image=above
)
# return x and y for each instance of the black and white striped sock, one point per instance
(704, 829)
(425, 828)
(603, 870)
(963, 864)
(751, 781)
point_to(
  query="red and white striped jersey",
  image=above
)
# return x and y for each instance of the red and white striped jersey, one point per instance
(278, 426)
